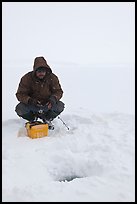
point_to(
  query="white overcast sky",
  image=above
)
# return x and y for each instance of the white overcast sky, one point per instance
(75, 32)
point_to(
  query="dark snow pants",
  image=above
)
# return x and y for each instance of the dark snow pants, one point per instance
(31, 112)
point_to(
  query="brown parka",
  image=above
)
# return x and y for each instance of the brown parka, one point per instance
(31, 87)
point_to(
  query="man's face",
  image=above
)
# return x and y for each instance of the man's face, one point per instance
(40, 73)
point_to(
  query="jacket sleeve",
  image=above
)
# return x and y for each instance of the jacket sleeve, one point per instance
(56, 87)
(23, 90)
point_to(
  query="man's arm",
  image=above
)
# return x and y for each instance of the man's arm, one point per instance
(56, 89)
(23, 89)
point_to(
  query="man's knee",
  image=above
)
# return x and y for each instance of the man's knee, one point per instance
(60, 106)
(55, 111)
(21, 109)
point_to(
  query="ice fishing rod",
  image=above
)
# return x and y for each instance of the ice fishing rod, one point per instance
(45, 108)
(60, 119)
(63, 122)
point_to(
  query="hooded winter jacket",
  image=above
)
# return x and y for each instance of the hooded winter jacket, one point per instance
(32, 87)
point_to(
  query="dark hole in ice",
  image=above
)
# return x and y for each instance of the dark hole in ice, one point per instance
(69, 178)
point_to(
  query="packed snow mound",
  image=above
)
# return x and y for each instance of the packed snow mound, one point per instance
(92, 161)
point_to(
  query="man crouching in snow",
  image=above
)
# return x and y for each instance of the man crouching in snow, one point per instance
(39, 93)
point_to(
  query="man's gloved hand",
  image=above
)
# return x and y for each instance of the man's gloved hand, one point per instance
(34, 101)
(51, 102)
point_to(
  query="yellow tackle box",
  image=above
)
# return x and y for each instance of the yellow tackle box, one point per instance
(36, 129)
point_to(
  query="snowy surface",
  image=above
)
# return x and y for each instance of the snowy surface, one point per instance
(93, 161)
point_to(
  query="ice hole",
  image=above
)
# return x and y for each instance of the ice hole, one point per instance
(69, 178)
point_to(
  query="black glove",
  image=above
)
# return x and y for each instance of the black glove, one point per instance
(34, 101)
(53, 100)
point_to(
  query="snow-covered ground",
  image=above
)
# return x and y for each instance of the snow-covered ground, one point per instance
(93, 161)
